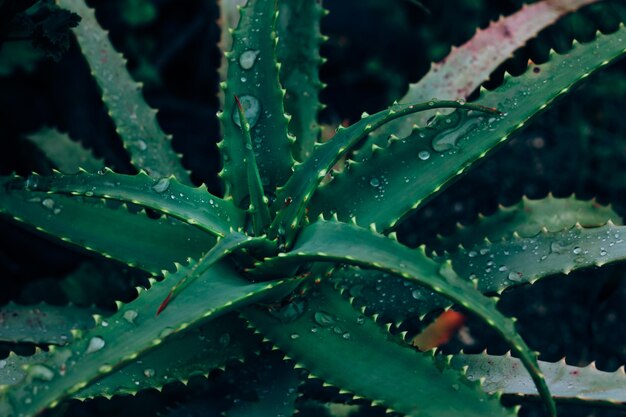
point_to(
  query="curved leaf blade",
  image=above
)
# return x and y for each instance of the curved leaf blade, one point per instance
(567, 383)
(195, 206)
(253, 77)
(343, 348)
(96, 225)
(340, 242)
(150, 149)
(454, 143)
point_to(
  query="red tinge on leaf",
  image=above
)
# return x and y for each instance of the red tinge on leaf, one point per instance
(165, 302)
(440, 331)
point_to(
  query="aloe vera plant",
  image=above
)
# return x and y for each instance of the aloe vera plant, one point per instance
(276, 272)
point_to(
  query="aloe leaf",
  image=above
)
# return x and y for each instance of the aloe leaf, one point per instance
(136, 124)
(92, 224)
(529, 217)
(228, 21)
(267, 386)
(195, 206)
(517, 260)
(42, 323)
(471, 64)
(67, 155)
(345, 349)
(258, 202)
(101, 350)
(253, 77)
(567, 382)
(340, 242)
(196, 351)
(299, 40)
(493, 266)
(308, 175)
(410, 171)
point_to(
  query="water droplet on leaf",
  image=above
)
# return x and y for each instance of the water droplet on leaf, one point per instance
(95, 344)
(247, 59)
(251, 110)
(161, 185)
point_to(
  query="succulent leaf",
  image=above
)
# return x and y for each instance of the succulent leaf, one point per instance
(412, 170)
(347, 350)
(67, 155)
(150, 149)
(567, 382)
(112, 231)
(465, 68)
(529, 217)
(42, 323)
(253, 77)
(299, 39)
(258, 202)
(195, 206)
(99, 351)
(196, 351)
(340, 242)
(308, 175)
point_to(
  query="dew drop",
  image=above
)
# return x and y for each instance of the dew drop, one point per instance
(515, 276)
(323, 319)
(503, 268)
(423, 155)
(346, 335)
(251, 110)
(360, 320)
(161, 185)
(142, 145)
(603, 252)
(247, 59)
(294, 336)
(417, 294)
(41, 372)
(48, 203)
(577, 250)
(95, 344)
(374, 182)
(149, 373)
(130, 316)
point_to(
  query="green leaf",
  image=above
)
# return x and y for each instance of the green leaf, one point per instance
(567, 383)
(529, 217)
(258, 202)
(413, 170)
(150, 149)
(196, 351)
(345, 349)
(42, 323)
(133, 331)
(309, 174)
(463, 71)
(494, 267)
(67, 155)
(195, 206)
(340, 242)
(517, 260)
(114, 232)
(253, 77)
(299, 40)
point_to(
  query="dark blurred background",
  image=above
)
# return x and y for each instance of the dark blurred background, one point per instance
(376, 48)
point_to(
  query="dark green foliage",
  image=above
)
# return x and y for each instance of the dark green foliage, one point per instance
(288, 291)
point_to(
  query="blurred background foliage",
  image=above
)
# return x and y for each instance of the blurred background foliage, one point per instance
(376, 48)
